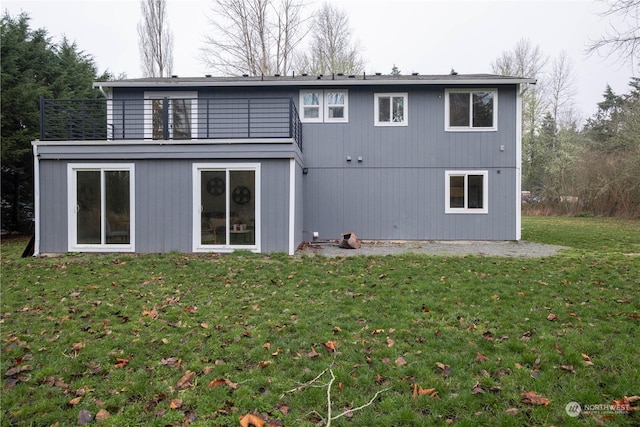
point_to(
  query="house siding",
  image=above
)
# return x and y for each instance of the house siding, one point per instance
(397, 190)
(164, 203)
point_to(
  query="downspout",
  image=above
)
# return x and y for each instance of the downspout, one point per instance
(36, 199)
(101, 89)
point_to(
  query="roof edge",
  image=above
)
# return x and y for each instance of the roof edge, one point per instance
(333, 80)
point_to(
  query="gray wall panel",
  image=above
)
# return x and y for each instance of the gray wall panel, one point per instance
(164, 202)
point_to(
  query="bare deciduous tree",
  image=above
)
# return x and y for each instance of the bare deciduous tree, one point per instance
(155, 39)
(561, 90)
(332, 49)
(623, 39)
(253, 36)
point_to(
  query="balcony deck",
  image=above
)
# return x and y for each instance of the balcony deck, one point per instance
(170, 119)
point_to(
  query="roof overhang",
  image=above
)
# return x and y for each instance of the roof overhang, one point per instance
(310, 81)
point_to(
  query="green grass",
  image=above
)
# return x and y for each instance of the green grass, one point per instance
(261, 321)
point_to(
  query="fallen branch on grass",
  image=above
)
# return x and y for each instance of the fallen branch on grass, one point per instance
(328, 385)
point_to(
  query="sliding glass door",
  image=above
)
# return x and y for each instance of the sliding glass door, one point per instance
(101, 205)
(226, 208)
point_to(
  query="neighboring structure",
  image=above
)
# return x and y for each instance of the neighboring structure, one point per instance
(263, 163)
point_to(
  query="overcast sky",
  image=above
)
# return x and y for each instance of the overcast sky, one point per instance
(425, 36)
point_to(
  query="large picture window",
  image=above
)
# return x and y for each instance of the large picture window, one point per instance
(466, 192)
(226, 207)
(391, 109)
(101, 207)
(471, 110)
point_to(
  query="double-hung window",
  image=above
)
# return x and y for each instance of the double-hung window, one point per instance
(328, 106)
(390, 109)
(336, 107)
(471, 110)
(101, 207)
(466, 191)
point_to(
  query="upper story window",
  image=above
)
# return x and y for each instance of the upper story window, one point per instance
(471, 110)
(391, 109)
(178, 109)
(329, 106)
(336, 106)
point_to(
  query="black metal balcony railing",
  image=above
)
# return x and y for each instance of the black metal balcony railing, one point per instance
(169, 119)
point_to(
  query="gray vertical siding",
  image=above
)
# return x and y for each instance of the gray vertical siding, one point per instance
(397, 191)
(164, 203)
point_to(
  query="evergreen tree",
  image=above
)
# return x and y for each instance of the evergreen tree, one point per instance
(32, 67)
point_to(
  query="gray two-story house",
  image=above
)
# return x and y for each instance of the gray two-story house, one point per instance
(265, 163)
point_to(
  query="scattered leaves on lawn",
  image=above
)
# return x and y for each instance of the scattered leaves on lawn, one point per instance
(218, 382)
(531, 398)
(626, 404)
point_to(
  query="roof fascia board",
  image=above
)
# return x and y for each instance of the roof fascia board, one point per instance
(319, 82)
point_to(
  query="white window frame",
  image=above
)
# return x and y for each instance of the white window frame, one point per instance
(376, 108)
(72, 204)
(466, 209)
(470, 128)
(320, 107)
(327, 106)
(198, 246)
(148, 110)
(323, 107)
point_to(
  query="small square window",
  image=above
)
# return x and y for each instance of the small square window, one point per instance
(466, 192)
(390, 109)
(471, 110)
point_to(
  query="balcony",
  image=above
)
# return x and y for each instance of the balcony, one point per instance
(253, 119)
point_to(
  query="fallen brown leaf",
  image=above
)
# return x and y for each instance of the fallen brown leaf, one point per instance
(587, 359)
(185, 381)
(531, 398)
(400, 361)
(122, 362)
(445, 370)
(568, 368)
(419, 391)
(102, 415)
(175, 403)
(481, 357)
(552, 317)
(331, 346)
(74, 401)
(251, 420)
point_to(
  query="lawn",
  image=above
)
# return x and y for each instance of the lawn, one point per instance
(411, 340)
